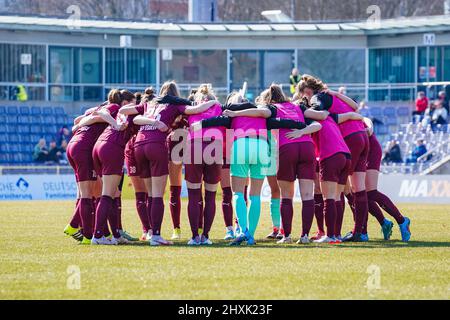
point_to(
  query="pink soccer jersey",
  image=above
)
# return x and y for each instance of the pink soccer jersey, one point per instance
(290, 111)
(348, 127)
(329, 141)
(216, 133)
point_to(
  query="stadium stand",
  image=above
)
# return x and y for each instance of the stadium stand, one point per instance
(22, 127)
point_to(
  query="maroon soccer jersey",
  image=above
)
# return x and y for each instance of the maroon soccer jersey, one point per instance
(88, 135)
(162, 112)
(121, 138)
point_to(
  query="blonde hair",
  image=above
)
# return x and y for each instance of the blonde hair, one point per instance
(310, 82)
(234, 98)
(169, 88)
(205, 92)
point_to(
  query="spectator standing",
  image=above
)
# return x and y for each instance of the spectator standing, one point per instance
(40, 153)
(63, 134)
(421, 104)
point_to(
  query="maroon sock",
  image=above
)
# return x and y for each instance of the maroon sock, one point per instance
(318, 211)
(149, 211)
(201, 209)
(113, 219)
(351, 202)
(246, 195)
(87, 217)
(362, 209)
(175, 205)
(307, 216)
(157, 215)
(339, 216)
(118, 204)
(386, 204)
(375, 210)
(195, 196)
(329, 209)
(227, 206)
(209, 212)
(76, 218)
(141, 207)
(104, 207)
(287, 213)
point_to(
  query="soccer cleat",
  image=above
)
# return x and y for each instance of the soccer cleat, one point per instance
(336, 240)
(127, 236)
(364, 237)
(280, 234)
(319, 234)
(156, 241)
(85, 241)
(325, 239)
(348, 237)
(205, 241)
(285, 240)
(238, 240)
(145, 237)
(176, 235)
(194, 242)
(121, 241)
(229, 235)
(386, 229)
(237, 229)
(404, 230)
(273, 234)
(73, 232)
(102, 242)
(303, 240)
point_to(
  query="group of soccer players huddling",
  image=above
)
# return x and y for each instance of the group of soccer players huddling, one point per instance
(316, 138)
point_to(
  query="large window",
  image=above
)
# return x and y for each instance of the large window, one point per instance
(22, 65)
(391, 74)
(260, 69)
(130, 66)
(193, 67)
(75, 74)
(341, 66)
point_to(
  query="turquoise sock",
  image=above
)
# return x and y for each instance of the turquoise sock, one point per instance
(254, 214)
(275, 212)
(241, 210)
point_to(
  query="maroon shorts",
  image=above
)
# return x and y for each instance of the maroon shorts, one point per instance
(358, 143)
(152, 159)
(297, 161)
(335, 168)
(80, 158)
(208, 170)
(375, 154)
(131, 164)
(226, 164)
(177, 155)
(108, 159)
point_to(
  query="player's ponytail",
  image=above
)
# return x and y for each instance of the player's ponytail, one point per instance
(114, 97)
(275, 95)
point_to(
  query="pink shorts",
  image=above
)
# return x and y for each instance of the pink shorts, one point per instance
(198, 172)
(335, 168)
(297, 161)
(80, 158)
(375, 154)
(108, 159)
(358, 143)
(152, 159)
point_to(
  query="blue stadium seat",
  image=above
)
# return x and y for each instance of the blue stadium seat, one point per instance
(376, 112)
(47, 111)
(61, 120)
(24, 111)
(36, 111)
(14, 147)
(27, 157)
(48, 119)
(389, 121)
(35, 138)
(26, 139)
(23, 129)
(390, 112)
(59, 111)
(12, 110)
(4, 138)
(3, 128)
(4, 158)
(3, 118)
(23, 120)
(4, 147)
(16, 158)
(14, 138)
(50, 129)
(2, 110)
(25, 148)
(382, 130)
(403, 111)
(36, 129)
(11, 119)
(49, 137)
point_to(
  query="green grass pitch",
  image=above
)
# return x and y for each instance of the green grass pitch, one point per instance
(37, 261)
